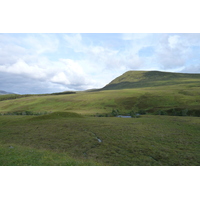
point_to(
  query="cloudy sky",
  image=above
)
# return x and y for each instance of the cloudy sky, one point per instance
(45, 63)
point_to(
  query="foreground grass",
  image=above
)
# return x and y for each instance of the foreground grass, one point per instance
(17, 155)
(74, 140)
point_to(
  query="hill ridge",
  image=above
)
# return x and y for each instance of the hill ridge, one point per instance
(139, 79)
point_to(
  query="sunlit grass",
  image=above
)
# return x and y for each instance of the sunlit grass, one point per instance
(104, 101)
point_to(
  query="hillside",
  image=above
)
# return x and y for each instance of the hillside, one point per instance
(140, 79)
(154, 92)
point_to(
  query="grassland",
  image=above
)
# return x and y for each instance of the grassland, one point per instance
(73, 140)
(70, 134)
(151, 99)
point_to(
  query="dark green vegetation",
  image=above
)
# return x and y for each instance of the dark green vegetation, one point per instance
(61, 129)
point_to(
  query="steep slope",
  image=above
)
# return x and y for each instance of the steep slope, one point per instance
(140, 79)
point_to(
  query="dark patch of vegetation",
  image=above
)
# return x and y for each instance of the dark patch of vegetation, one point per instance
(11, 96)
(161, 112)
(115, 112)
(134, 114)
(61, 93)
(183, 112)
(25, 113)
(142, 112)
(58, 115)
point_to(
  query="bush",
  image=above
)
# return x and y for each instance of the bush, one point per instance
(142, 112)
(184, 112)
(161, 112)
(133, 114)
(180, 112)
(115, 112)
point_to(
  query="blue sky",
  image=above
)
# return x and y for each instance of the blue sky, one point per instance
(55, 62)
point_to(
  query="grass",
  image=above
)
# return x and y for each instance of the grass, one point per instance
(17, 155)
(145, 141)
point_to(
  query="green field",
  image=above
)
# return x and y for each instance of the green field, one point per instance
(76, 140)
(66, 128)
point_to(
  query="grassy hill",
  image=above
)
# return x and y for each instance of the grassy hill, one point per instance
(140, 79)
(163, 94)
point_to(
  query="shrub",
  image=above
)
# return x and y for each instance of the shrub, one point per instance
(133, 114)
(180, 112)
(115, 112)
(184, 112)
(142, 112)
(161, 112)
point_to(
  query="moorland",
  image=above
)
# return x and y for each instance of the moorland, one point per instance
(82, 127)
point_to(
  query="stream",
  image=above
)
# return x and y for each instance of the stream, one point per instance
(98, 139)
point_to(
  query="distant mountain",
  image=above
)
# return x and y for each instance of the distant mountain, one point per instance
(140, 79)
(4, 92)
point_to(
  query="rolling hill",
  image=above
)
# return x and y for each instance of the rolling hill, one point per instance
(140, 79)
(154, 92)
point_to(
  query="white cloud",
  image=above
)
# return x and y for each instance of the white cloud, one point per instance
(173, 41)
(102, 60)
(191, 39)
(65, 71)
(171, 52)
(74, 41)
(60, 77)
(74, 72)
(9, 54)
(40, 43)
(22, 68)
(134, 36)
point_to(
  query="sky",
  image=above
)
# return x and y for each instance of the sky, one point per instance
(55, 62)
